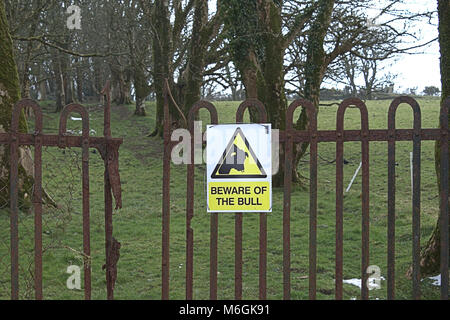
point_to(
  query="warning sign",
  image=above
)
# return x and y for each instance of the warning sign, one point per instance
(239, 169)
(239, 160)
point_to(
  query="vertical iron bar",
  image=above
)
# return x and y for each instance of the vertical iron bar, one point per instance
(86, 211)
(312, 125)
(339, 214)
(238, 257)
(213, 256)
(197, 142)
(38, 214)
(365, 195)
(365, 212)
(37, 200)
(313, 208)
(239, 218)
(37, 188)
(108, 194)
(391, 205)
(37, 197)
(85, 185)
(189, 216)
(416, 204)
(14, 218)
(415, 198)
(262, 256)
(108, 232)
(166, 198)
(287, 217)
(444, 221)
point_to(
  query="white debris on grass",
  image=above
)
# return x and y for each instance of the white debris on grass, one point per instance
(436, 280)
(91, 132)
(76, 119)
(354, 298)
(357, 282)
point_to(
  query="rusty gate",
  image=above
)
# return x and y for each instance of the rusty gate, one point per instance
(108, 148)
(313, 136)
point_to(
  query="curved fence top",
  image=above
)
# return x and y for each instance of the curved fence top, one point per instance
(415, 107)
(364, 115)
(65, 115)
(310, 109)
(202, 105)
(17, 112)
(251, 103)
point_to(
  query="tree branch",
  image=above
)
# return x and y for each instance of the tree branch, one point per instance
(46, 43)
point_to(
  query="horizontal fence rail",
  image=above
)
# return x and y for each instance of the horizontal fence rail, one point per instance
(291, 137)
(108, 149)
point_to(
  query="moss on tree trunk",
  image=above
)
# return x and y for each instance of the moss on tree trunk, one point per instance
(9, 95)
(161, 53)
(196, 62)
(260, 58)
(315, 70)
(430, 254)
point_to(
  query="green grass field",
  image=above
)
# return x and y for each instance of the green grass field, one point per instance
(138, 225)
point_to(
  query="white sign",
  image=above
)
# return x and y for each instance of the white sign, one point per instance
(239, 168)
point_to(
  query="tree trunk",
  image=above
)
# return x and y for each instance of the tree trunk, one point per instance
(430, 254)
(68, 85)
(60, 95)
(79, 80)
(9, 95)
(140, 109)
(97, 78)
(142, 90)
(271, 89)
(121, 86)
(315, 70)
(262, 74)
(41, 83)
(126, 88)
(161, 55)
(67, 80)
(43, 90)
(196, 58)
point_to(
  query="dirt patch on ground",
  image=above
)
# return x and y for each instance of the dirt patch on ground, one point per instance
(142, 146)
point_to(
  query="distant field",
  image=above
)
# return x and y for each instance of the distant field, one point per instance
(138, 225)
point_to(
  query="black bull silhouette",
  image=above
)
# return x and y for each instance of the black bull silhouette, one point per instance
(234, 160)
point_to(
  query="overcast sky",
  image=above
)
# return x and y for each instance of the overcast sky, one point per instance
(420, 70)
(417, 70)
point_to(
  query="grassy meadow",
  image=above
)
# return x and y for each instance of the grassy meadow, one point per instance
(138, 225)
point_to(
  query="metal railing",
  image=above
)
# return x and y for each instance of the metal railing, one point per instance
(313, 137)
(108, 149)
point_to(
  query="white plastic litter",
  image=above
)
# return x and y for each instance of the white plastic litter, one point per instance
(436, 280)
(79, 132)
(357, 282)
(354, 177)
(76, 119)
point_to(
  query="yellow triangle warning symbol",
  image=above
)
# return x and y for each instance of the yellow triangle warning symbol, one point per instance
(238, 160)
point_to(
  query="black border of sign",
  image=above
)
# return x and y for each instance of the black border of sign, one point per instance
(230, 144)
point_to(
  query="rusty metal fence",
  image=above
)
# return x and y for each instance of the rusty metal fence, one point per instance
(108, 149)
(313, 136)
